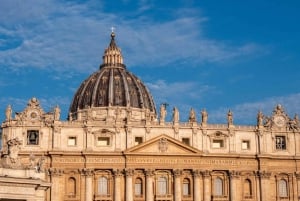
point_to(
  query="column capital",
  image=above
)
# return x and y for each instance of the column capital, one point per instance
(87, 172)
(55, 172)
(129, 172)
(197, 173)
(206, 173)
(234, 174)
(297, 175)
(177, 172)
(149, 172)
(118, 173)
(264, 174)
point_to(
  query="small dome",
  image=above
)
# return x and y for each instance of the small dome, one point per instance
(112, 85)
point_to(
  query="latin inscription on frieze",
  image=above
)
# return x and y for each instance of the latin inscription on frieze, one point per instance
(68, 160)
(193, 161)
(105, 160)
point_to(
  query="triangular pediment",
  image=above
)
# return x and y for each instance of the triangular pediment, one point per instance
(162, 145)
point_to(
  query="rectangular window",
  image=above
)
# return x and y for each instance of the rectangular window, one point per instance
(32, 137)
(138, 189)
(72, 141)
(218, 144)
(245, 144)
(103, 141)
(186, 141)
(138, 140)
(280, 142)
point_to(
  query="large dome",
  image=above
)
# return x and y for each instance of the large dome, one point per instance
(112, 86)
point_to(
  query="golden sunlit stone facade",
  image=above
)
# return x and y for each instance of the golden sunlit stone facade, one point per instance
(115, 147)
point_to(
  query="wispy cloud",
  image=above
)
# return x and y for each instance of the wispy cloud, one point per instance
(62, 36)
(245, 113)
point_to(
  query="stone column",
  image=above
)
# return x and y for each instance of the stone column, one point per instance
(149, 185)
(264, 179)
(55, 180)
(129, 193)
(233, 185)
(88, 184)
(197, 190)
(297, 185)
(117, 190)
(177, 175)
(206, 185)
(82, 184)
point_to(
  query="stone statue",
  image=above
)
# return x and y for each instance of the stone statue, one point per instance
(163, 112)
(294, 123)
(260, 118)
(192, 117)
(230, 117)
(8, 112)
(204, 116)
(267, 122)
(175, 115)
(40, 164)
(56, 113)
(12, 159)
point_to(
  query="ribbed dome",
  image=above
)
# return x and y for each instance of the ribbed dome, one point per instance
(112, 85)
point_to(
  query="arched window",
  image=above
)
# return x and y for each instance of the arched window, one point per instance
(138, 187)
(218, 186)
(102, 186)
(186, 187)
(247, 188)
(71, 186)
(283, 188)
(162, 185)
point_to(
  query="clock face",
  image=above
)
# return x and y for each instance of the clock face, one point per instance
(279, 121)
(33, 115)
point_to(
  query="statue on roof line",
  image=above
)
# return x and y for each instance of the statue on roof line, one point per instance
(8, 112)
(230, 117)
(56, 113)
(163, 112)
(192, 117)
(204, 116)
(294, 123)
(260, 118)
(175, 115)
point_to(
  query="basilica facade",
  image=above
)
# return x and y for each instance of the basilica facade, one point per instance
(115, 146)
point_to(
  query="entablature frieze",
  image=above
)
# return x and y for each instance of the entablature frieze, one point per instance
(194, 161)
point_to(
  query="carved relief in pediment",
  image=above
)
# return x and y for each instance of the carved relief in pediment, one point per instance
(162, 144)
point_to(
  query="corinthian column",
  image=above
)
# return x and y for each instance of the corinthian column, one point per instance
(233, 185)
(197, 191)
(297, 184)
(177, 175)
(129, 194)
(55, 180)
(206, 185)
(117, 190)
(88, 184)
(264, 178)
(149, 185)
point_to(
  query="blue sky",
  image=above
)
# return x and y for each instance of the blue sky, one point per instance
(213, 54)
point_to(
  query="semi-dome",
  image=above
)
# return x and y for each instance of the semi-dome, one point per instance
(112, 86)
